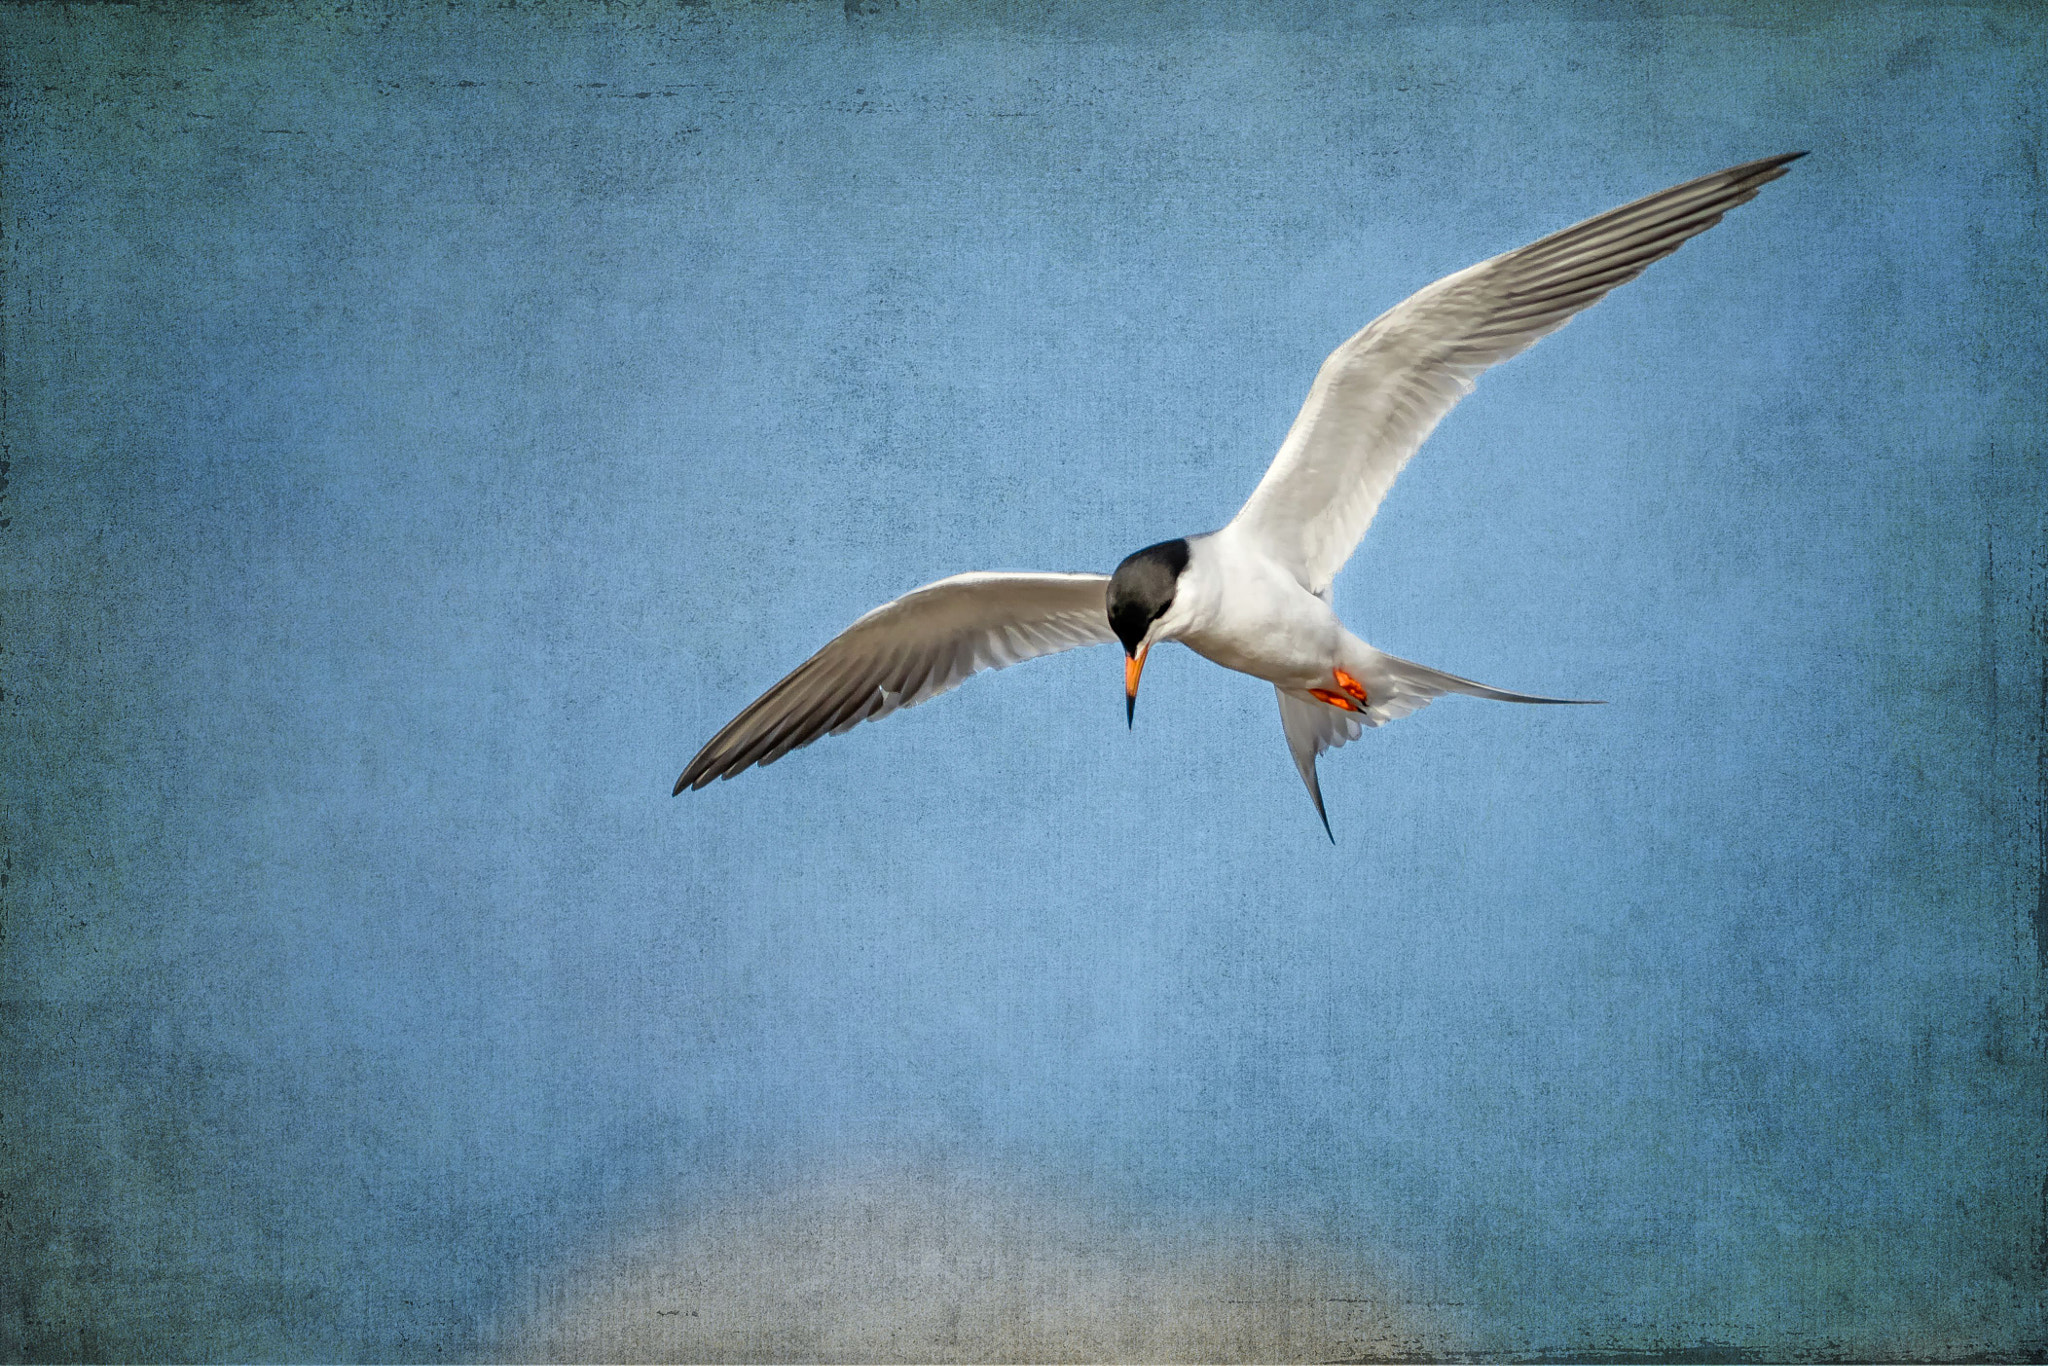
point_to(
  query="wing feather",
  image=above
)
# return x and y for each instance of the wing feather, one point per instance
(1379, 395)
(908, 651)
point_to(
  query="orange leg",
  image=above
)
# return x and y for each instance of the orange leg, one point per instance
(1335, 699)
(1352, 686)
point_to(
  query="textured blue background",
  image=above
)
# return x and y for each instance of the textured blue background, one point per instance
(425, 426)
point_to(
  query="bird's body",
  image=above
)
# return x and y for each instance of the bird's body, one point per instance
(1240, 608)
(1254, 595)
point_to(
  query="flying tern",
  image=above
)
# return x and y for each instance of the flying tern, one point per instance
(1254, 596)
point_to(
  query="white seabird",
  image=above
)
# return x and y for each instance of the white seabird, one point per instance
(1254, 596)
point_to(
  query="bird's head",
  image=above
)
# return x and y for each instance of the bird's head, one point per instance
(1140, 592)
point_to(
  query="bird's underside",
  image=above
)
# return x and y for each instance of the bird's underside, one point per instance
(1254, 595)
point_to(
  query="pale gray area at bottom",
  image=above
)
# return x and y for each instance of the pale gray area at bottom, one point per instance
(922, 1264)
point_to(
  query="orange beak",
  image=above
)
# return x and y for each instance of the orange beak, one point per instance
(1133, 666)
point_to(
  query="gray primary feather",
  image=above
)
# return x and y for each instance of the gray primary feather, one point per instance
(905, 652)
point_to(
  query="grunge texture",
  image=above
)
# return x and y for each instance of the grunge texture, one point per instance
(425, 424)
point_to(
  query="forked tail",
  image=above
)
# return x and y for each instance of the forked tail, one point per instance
(1324, 718)
(1405, 679)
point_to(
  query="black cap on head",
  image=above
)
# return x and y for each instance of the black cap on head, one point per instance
(1142, 589)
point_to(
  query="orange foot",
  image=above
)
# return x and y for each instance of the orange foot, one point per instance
(1335, 699)
(1352, 686)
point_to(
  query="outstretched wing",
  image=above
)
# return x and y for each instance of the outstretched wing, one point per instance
(1380, 394)
(924, 643)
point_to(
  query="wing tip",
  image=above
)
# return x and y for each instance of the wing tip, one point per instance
(1754, 175)
(701, 774)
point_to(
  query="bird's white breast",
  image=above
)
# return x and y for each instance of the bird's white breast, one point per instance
(1245, 611)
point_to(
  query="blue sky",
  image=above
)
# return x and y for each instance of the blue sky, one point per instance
(425, 427)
